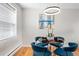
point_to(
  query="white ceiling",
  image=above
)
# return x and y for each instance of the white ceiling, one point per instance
(44, 5)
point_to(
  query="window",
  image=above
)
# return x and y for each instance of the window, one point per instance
(7, 21)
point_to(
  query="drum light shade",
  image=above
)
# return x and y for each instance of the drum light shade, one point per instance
(53, 10)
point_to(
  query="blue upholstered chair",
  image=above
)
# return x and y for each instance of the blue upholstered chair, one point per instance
(57, 44)
(59, 41)
(45, 40)
(66, 51)
(37, 38)
(41, 39)
(40, 50)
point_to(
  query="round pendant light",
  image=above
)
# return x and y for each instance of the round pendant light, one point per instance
(53, 10)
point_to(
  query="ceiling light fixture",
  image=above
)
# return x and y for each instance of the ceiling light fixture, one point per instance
(53, 10)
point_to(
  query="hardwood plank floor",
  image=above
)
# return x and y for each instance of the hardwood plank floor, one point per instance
(27, 51)
(24, 51)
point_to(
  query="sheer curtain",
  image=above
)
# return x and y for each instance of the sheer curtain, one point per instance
(7, 21)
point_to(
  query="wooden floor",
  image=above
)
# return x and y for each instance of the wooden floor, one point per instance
(27, 51)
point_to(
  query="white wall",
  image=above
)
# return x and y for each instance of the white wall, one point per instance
(30, 25)
(19, 21)
(66, 25)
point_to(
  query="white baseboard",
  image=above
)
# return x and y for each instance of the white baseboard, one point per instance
(21, 45)
(13, 52)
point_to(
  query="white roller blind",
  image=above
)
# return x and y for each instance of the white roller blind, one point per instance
(7, 21)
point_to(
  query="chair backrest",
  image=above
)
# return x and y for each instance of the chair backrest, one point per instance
(45, 40)
(37, 38)
(39, 49)
(59, 39)
(42, 39)
(72, 47)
